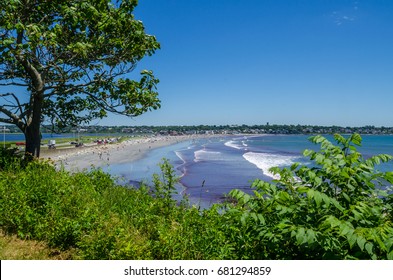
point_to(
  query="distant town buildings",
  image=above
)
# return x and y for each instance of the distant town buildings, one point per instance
(217, 129)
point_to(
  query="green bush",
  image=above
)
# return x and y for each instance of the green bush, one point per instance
(9, 158)
(331, 210)
(90, 213)
(42, 203)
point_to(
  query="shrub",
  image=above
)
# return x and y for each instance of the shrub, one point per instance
(42, 203)
(331, 210)
(100, 220)
(165, 185)
(9, 158)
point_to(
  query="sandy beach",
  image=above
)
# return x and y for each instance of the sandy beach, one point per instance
(99, 155)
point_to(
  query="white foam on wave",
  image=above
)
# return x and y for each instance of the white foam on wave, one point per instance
(232, 144)
(266, 161)
(179, 155)
(204, 155)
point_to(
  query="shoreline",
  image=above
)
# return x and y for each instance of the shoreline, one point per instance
(100, 155)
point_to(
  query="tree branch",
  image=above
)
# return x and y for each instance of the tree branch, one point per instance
(6, 121)
(18, 104)
(30, 69)
(13, 84)
(13, 118)
(105, 105)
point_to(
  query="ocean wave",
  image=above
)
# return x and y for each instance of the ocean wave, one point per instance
(266, 161)
(233, 144)
(180, 156)
(205, 155)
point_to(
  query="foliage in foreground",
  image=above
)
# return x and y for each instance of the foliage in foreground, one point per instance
(89, 213)
(329, 210)
(10, 157)
(332, 210)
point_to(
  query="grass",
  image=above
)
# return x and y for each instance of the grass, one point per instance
(14, 248)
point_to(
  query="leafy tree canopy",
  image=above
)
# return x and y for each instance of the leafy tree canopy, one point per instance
(65, 62)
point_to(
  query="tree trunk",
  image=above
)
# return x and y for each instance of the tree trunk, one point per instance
(33, 141)
(32, 130)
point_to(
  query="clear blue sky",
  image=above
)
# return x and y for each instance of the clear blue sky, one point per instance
(320, 62)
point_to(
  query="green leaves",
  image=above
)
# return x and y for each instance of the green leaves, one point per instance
(320, 198)
(328, 210)
(165, 185)
(304, 236)
(98, 219)
(71, 51)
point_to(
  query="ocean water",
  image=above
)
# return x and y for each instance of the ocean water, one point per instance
(47, 136)
(20, 137)
(210, 168)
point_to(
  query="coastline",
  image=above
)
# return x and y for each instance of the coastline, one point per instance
(100, 155)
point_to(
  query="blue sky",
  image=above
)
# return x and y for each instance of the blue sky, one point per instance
(319, 62)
